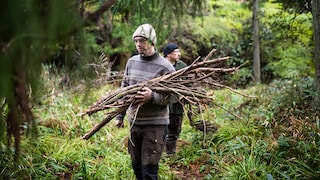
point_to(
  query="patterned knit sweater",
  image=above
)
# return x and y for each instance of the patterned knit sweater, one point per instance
(138, 70)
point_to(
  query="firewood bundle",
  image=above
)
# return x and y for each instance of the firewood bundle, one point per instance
(180, 82)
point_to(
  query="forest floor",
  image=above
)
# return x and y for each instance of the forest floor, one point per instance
(194, 170)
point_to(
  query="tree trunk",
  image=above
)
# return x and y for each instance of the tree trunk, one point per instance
(96, 15)
(256, 43)
(123, 60)
(316, 36)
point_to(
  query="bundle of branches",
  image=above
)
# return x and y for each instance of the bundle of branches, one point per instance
(179, 82)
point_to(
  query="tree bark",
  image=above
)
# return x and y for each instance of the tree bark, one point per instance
(316, 36)
(95, 16)
(256, 43)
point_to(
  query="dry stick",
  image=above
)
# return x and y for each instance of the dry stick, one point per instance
(162, 88)
(215, 70)
(113, 114)
(110, 116)
(233, 90)
(110, 100)
(97, 127)
(183, 70)
(194, 65)
(118, 93)
(113, 99)
(212, 61)
(210, 54)
(189, 95)
(117, 104)
(227, 110)
(124, 91)
(182, 92)
(196, 95)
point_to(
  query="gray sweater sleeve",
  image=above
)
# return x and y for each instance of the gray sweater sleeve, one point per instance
(164, 99)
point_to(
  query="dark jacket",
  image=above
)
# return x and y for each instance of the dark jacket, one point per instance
(177, 108)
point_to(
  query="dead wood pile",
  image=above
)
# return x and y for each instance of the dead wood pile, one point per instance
(179, 82)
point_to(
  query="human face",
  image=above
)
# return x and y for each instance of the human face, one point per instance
(143, 46)
(174, 55)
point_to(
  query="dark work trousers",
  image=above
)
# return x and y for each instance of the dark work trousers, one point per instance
(174, 130)
(145, 150)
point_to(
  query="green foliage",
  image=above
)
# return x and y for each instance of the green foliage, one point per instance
(121, 32)
(251, 148)
(92, 45)
(35, 33)
(55, 158)
(213, 33)
(158, 10)
(240, 78)
(163, 15)
(232, 13)
(300, 6)
(221, 26)
(294, 61)
(285, 39)
(285, 43)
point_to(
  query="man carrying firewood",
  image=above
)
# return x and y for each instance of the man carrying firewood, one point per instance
(172, 53)
(149, 113)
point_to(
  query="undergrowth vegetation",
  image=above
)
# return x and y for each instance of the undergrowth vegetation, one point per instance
(273, 135)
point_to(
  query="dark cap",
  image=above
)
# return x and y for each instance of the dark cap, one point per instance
(169, 48)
